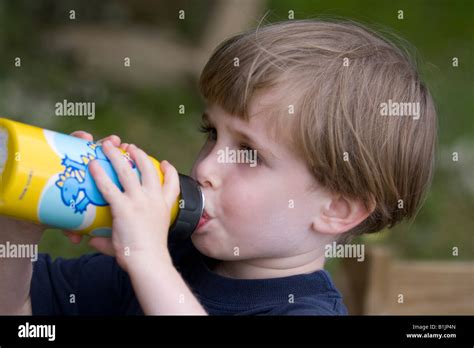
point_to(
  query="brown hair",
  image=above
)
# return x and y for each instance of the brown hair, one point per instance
(338, 74)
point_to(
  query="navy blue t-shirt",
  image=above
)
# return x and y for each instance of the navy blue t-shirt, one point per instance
(94, 284)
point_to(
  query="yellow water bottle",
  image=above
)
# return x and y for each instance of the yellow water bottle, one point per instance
(44, 178)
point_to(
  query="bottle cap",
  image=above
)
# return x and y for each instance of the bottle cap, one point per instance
(191, 208)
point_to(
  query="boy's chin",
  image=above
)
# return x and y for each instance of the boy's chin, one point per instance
(212, 250)
(203, 245)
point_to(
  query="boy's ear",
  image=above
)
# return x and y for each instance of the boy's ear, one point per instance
(340, 214)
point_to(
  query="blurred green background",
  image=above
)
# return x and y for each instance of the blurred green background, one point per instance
(82, 59)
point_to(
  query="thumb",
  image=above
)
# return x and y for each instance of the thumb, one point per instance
(83, 135)
(171, 187)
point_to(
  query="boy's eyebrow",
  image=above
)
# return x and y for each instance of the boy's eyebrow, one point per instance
(245, 137)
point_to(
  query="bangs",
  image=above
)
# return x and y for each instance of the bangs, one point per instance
(243, 68)
(236, 70)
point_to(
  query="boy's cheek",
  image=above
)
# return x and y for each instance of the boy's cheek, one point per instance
(252, 219)
(243, 205)
(272, 218)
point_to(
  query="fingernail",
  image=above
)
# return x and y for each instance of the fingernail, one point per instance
(106, 143)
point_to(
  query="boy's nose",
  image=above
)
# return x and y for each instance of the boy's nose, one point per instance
(206, 170)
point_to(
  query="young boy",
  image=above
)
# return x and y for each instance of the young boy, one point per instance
(339, 133)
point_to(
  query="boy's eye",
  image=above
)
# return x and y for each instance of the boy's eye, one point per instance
(246, 148)
(252, 154)
(210, 131)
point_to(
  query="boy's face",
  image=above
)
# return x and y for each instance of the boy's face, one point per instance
(262, 211)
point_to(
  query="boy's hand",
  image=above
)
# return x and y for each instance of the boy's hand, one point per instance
(141, 219)
(141, 214)
(74, 237)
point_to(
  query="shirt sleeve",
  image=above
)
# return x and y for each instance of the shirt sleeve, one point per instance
(93, 284)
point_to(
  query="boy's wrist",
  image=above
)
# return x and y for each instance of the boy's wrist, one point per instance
(149, 262)
(18, 231)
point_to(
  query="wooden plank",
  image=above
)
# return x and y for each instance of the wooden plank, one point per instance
(431, 288)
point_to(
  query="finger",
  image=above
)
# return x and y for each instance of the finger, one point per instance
(127, 177)
(149, 175)
(114, 139)
(105, 185)
(124, 146)
(171, 187)
(102, 244)
(73, 237)
(83, 135)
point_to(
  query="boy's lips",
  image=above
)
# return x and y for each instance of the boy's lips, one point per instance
(204, 219)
